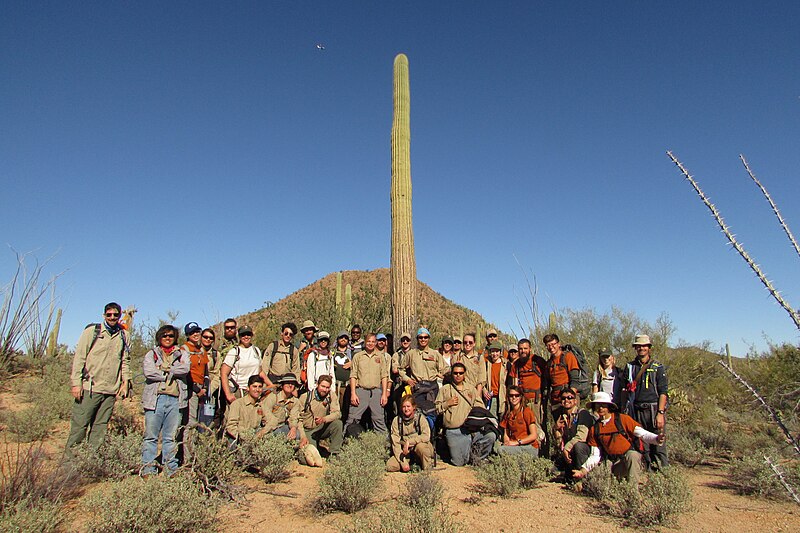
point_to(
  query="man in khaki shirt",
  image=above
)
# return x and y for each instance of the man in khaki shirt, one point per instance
(420, 369)
(320, 417)
(282, 411)
(454, 401)
(369, 383)
(246, 413)
(281, 356)
(474, 363)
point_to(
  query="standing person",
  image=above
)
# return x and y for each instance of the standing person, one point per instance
(381, 344)
(420, 370)
(491, 336)
(410, 439)
(320, 361)
(239, 364)
(475, 363)
(398, 387)
(164, 397)
(447, 349)
(519, 424)
(320, 416)
(494, 393)
(527, 373)
(281, 356)
(646, 398)
(208, 409)
(454, 402)
(197, 384)
(229, 339)
(611, 438)
(457, 345)
(306, 344)
(100, 373)
(369, 383)
(562, 371)
(343, 361)
(356, 342)
(607, 377)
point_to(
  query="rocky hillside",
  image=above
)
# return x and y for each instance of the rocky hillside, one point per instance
(370, 308)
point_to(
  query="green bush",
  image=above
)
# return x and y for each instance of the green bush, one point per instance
(420, 507)
(751, 475)
(213, 464)
(126, 419)
(269, 456)
(29, 424)
(656, 502)
(155, 503)
(687, 449)
(505, 475)
(32, 516)
(353, 476)
(119, 456)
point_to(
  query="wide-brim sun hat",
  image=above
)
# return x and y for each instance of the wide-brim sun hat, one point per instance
(288, 378)
(309, 324)
(642, 340)
(602, 398)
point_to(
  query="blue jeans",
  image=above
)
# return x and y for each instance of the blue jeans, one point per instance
(164, 421)
(462, 445)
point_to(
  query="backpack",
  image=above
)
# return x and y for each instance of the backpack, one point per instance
(481, 420)
(234, 387)
(584, 383)
(417, 427)
(273, 349)
(96, 334)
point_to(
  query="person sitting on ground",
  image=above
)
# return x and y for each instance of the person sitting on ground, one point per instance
(612, 437)
(246, 413)
(607, 377)
(571, 431)
(164, 399)
(411, 438)
(519, 425)
(455, 401)
(320, 416)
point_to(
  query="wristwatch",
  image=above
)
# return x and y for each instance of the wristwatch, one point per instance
(661, 411)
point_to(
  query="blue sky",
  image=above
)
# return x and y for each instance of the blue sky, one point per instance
(205, 157)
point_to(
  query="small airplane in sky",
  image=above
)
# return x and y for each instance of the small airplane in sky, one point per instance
(320, 46)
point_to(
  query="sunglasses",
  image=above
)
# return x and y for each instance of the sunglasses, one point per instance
(457, 373)
(514, 395)
(567, 398)
(423, 337)
(208, 337)
(288, 333)
(112, 315)
(469, 342)
(230, 327)
(491, 335)
(168, 336)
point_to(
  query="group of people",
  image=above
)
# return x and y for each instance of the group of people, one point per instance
(457, 402)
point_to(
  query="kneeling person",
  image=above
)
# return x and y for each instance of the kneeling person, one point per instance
(455, 401)
(612, 438)
(519, 423)
(320, 415)
(246, 413)
(411, 438)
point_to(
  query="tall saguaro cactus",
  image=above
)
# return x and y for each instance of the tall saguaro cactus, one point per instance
(403, 264)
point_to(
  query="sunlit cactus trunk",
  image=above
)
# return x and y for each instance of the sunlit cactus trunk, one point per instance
(403, 265)
(52, 343)
(348, 304)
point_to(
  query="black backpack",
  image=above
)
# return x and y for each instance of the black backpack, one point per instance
(481, 420)
(584, 383)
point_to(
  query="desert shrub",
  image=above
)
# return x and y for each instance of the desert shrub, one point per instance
(656, 502)
(269, 456)
(688, 449)
(119, 456)
(751, 475)
(420, 507)
(125, 420)
(499, 476)
(29, 424)
(30, 492)
(505, 475)
(156, 503)
(213, 464)
(353, 476)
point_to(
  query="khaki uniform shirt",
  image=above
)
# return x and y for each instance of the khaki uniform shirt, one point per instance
(280, 361)
(279, 410)
(369, 369)
(106, 366)
(455, 415)
(425, 365)
(327, 409)
(410, 433)
(476, 368)
(244, 414)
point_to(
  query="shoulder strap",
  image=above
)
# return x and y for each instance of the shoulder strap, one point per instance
(95, 334)
(641, 372)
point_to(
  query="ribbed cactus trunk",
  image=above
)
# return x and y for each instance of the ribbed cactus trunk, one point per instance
(403, 264)
(52, 343)
(348, 305)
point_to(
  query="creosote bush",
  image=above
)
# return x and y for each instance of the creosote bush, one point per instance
(118, 457)
(29, 424)
(269, 456)
(751, 475)
(505, 475)
(658, 501)
(155, 503)
(688, 449)
(213, 464)
(353, 476)
(420, 507)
